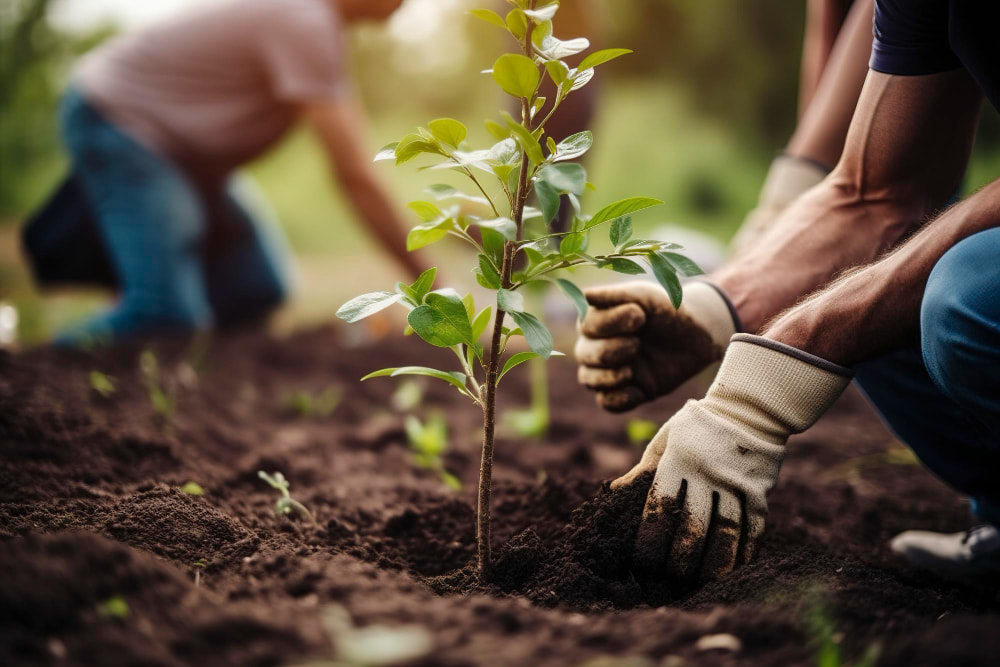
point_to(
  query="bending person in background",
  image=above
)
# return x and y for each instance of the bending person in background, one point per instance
(157, 121)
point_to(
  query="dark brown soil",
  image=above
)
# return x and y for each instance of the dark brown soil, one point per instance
(91, 511)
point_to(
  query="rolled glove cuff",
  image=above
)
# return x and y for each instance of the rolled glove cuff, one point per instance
(707, 304)
(774, 388)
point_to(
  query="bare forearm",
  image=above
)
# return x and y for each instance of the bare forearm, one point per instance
(876, 309)
(823, 21)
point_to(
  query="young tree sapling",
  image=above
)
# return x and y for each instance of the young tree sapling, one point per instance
(521, 162)
(285, 505)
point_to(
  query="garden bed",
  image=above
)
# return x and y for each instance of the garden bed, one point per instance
(101, 547)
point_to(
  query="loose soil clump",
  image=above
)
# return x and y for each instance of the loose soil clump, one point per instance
(105, 560)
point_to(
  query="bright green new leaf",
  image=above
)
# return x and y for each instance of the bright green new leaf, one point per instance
(569, 177)
(535, 333)
(600, 57)
(520, 358)
(558, 71)
(641, 431)
(362, 306)
(451, 377)
(622, 265)
(528, 142)
(620, 208)
(422, 285)
(448, 130)
(516, 74)
(542, 13)
(442, 191)
(481, 322)
(490, 17)
(506, 227)
(413, 145)
(575, 295)
(574, 146)
(496, 129)
(428, 233)
(193, 489)
(387, 152)
(548, 199)
(621, 231)
(517, 23)
(510, 302)
(469, 302)
(427, 211)
(683, 264)
(572, 244)
(666, 276)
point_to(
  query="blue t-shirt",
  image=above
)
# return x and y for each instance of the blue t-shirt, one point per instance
(929, 36)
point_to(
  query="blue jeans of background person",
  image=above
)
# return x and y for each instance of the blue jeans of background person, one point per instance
(156, 226)
(943, 398)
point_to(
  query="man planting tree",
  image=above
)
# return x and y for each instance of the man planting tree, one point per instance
(157, 121)
(918, 327)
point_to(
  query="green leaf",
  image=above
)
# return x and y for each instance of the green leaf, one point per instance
(490, 17)
(504, 152)
(517, 23)
(622, 265)
(557, 49)
(542, 13)
(571, 244)
(581, 78)
(506, 227)
(426, 234)
(453, 308)
(193, 489)
(481, 322)
(488, 276)
(448, 131)
(387, 152)
(641, 431)
(451, 377)
(575, 295)
(558, 71)
(493, 243)
(469, 302)
(528, 142)
(574, 146)
(548, 200)
(683, 264)
(427, 211)
(600, 57)
(537, 334)
(665, 275)
(620, 208)
(621, 230)
(520, 358)
(413, 145)
(510, 302)
(442, 191)
(569, 177)
(516, 74)
(438, 329)
(496, 129)
(450, 480)
(362, 306)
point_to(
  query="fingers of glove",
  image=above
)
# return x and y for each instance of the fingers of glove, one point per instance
(606, 296)
(606, 352)
(650, 459)
(622, 399)
(615, 321)
(686, 550)
(599, 379)
(722, 546)
(752, 530)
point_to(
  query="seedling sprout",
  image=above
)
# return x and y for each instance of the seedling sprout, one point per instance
(429, 441)
(285, 505)
(105, 385)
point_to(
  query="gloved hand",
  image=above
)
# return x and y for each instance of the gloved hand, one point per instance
(634, 347)
(787, 179)
(717, 458)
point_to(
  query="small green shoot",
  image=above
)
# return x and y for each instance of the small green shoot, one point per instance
(161, 398)
(305, 404)
(105, 385)
(429, 441)
(198, 566)
(822, 629)
(193, 489)
(114, 607)
(407, 397)
(640, 431)
(285, 505)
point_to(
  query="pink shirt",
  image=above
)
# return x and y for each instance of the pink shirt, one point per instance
(217, 86)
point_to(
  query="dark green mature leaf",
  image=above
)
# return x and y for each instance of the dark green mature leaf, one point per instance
(621, 231)
(574, 146)
(455, 309)
(448, 131)
(443, 323)
(548, 200)
(666, 276)
(572, 244)
(568, 177)
(683, 264)
(510, 302)
(622, 265)
(422, 285)
(493, 243)
(362, 306)
(576, 296)
(517, 75)
(488, 276)
(535, 333)
(490, 17)
(620, 208)
(600, 57)
(506, 227)
(387, 152)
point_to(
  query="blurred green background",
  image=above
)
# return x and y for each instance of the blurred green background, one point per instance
(693, 117)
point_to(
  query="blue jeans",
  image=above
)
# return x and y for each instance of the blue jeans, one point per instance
(942, 398)
(184, 259)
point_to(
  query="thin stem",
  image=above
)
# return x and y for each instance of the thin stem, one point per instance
(468, 172)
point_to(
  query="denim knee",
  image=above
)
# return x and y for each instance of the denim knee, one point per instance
(960, 320)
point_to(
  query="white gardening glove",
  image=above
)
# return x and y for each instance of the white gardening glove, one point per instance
(787, 179)
(634, 346)
(718, 457)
